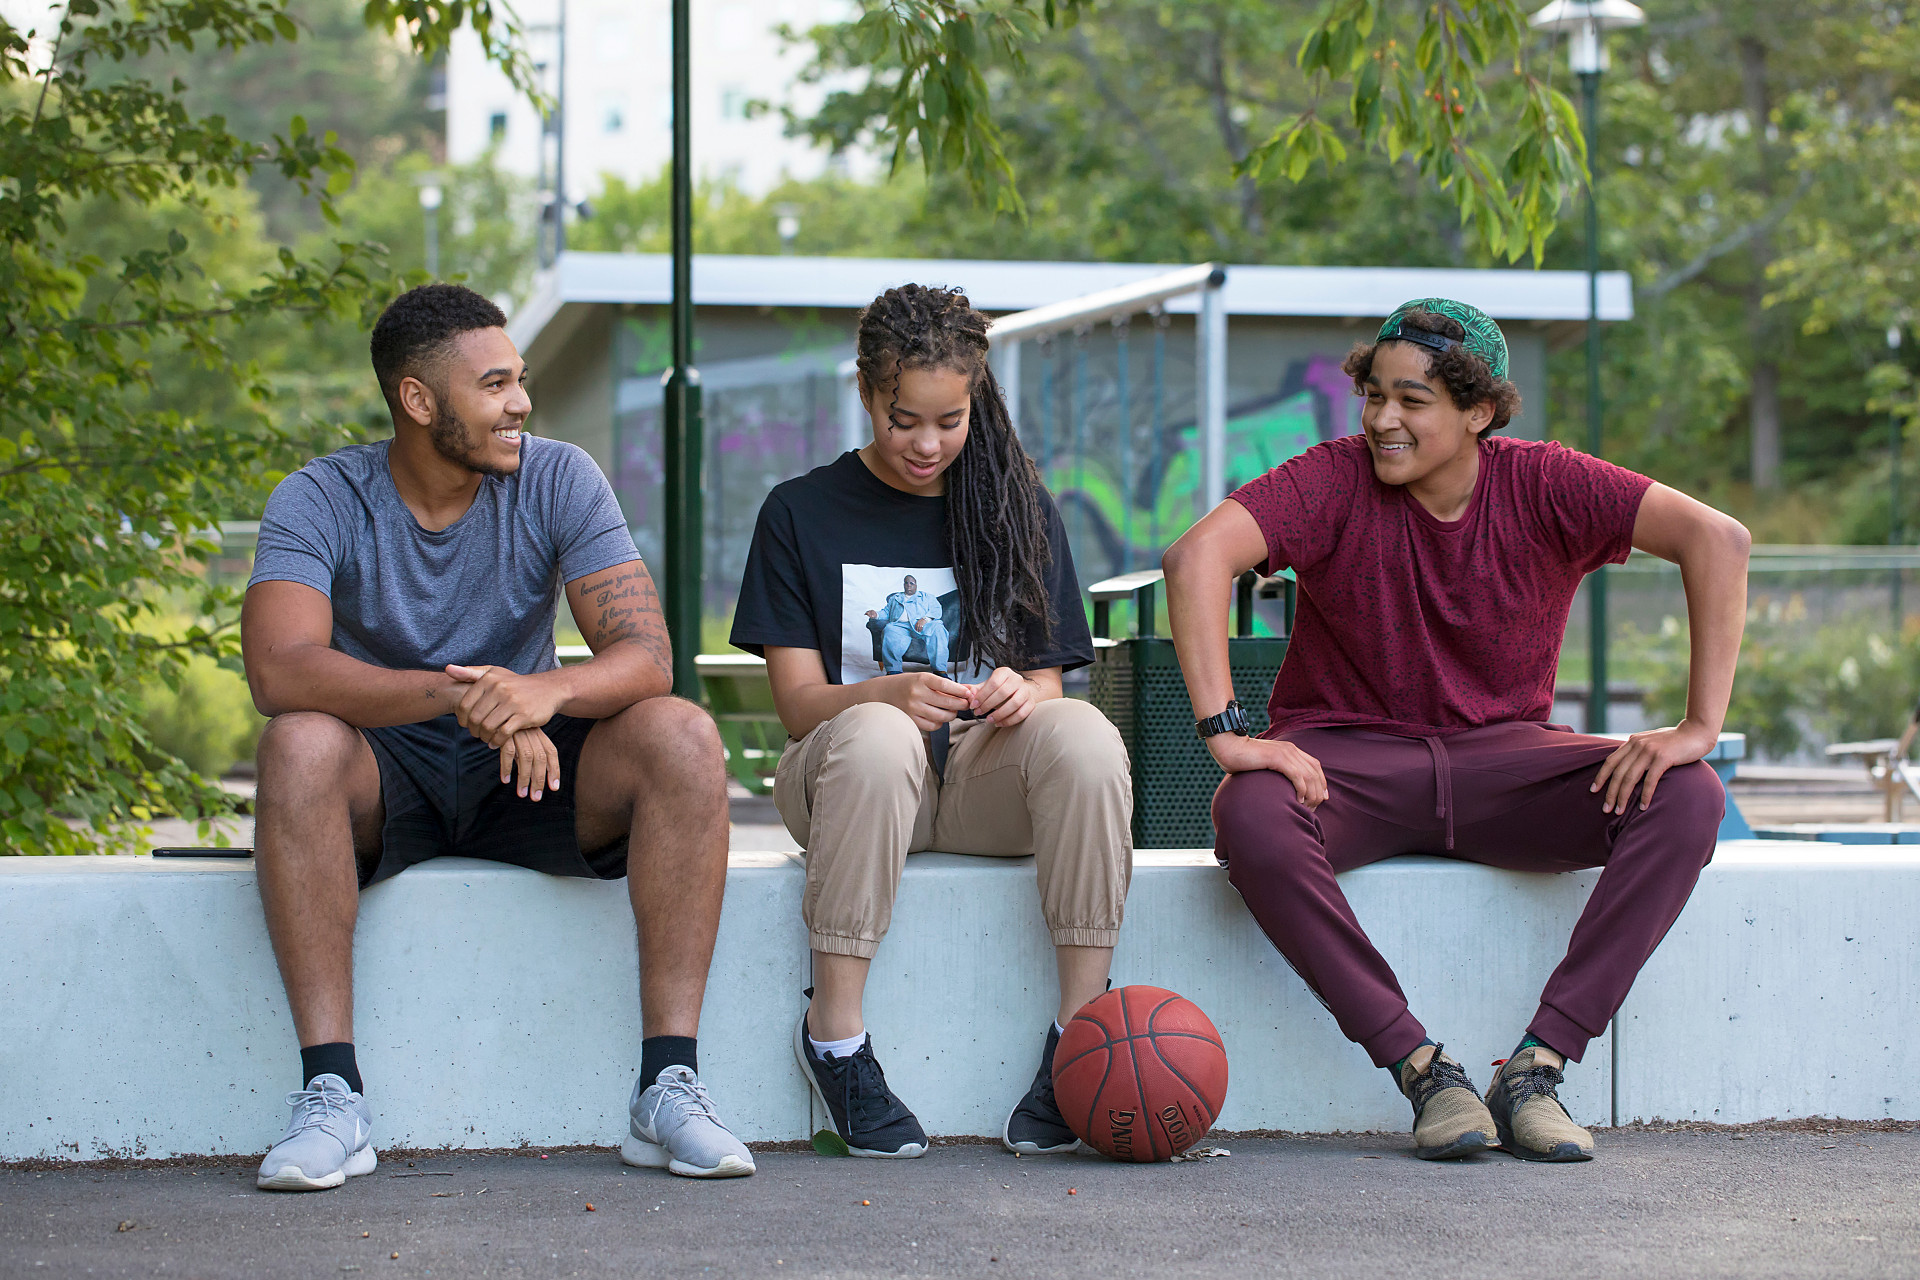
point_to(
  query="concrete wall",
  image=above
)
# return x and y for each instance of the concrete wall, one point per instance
(140, 1012)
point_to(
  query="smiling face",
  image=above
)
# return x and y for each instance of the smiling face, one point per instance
(1414, 430)
(919, 427)
(475, 414)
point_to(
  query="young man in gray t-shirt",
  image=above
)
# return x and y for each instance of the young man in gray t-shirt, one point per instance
(399, 630)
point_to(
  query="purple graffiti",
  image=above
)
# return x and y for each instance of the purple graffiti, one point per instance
(1325, 376)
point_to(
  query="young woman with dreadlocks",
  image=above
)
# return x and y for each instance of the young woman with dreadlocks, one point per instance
(916, 603)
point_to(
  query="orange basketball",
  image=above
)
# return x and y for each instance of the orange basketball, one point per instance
(1140, 1074)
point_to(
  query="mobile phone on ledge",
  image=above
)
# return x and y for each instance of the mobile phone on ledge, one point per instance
(204, 851)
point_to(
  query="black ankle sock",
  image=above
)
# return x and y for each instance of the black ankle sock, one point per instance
(657, 1053)
(330, 1059)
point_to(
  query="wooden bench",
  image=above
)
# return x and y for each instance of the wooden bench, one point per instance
(1886, 761)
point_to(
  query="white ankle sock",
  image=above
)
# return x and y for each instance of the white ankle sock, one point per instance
(838, 1048)
(1058, 1029)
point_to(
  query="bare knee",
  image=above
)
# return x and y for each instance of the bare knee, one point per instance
(668, 739)
(305, 751)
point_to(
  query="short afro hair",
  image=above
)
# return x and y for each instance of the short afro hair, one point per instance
(418, 326)
(1465, 374)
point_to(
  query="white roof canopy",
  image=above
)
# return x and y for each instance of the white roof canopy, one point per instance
(1347, 293)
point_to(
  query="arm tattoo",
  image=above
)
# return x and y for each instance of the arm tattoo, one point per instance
(629, 609)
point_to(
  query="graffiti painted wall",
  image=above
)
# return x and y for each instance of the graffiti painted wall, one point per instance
(1109, 415)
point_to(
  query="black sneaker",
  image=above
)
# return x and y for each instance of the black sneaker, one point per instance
(1036, 1127)
(870, 1120)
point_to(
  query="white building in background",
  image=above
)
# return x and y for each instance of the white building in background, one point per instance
(619, 92)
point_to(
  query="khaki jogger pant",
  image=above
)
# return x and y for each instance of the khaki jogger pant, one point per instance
(859, 794)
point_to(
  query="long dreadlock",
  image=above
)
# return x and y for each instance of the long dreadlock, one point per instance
(996, 534)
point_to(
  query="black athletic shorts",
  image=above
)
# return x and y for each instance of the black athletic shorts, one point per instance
(444, 796)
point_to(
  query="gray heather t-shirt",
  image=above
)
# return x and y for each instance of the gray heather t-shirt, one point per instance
(483, 590)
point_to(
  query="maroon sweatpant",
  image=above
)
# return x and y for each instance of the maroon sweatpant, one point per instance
(1509, 795)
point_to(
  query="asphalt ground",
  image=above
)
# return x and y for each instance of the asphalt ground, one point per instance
(1761, 1201)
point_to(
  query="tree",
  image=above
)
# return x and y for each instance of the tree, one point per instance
(1446, 84)
(108, 488)
(1851, 259)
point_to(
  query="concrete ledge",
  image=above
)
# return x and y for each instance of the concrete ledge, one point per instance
(141, 1014)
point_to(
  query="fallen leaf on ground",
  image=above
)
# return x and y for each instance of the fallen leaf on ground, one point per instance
(1211, 1153)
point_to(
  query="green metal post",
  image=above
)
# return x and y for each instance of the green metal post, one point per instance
(1597, 581)
(1895, 534)
(685, 424)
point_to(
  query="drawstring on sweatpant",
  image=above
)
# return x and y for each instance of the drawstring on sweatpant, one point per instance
(1442, 784)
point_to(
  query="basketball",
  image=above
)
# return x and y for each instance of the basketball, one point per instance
(1140, 1074)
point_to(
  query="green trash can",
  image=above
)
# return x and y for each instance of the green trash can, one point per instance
(1137, 683)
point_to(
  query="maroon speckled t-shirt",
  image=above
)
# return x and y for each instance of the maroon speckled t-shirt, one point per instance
(1408, 624)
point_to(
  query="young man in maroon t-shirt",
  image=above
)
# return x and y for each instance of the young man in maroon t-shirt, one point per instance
(1437, 565)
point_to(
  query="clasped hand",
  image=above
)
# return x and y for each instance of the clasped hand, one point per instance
(1003, 699)
(507, 711)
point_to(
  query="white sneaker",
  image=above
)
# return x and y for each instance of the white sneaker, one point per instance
(327, 1142)
(672, 1126)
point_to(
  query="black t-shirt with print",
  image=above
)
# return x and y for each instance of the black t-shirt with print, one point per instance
(845, 563)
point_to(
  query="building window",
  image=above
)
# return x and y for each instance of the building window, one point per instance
(733, 103)
(497, 127)
(613, 115)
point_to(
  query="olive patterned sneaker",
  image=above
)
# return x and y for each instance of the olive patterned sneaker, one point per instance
(1449, 1120)
(1533, 1123)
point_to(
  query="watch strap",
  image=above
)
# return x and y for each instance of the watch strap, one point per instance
(1233, 719)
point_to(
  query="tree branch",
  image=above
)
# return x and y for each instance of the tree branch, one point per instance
(1175, 180)
(1738, 240)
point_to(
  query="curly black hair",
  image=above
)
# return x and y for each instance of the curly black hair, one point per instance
(417, 327)
(996, 531)
(1465, 375)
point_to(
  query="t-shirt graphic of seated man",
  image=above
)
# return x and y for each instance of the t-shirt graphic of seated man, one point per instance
(912, 629)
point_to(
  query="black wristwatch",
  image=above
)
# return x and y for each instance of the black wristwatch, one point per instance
(1231, 720)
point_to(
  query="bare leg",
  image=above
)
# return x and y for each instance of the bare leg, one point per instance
(655, 771)
(839, 983)
(319, 802)
(1083, 977)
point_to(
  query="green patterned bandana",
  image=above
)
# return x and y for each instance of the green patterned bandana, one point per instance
(1483, 335)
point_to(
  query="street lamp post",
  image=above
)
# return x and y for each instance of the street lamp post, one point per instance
(1585, 22)
(685, 424)
(1895, 533)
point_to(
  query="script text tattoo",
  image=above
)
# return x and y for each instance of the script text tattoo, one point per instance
(629, 609)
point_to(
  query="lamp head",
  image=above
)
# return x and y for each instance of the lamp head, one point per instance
(1584, 21)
